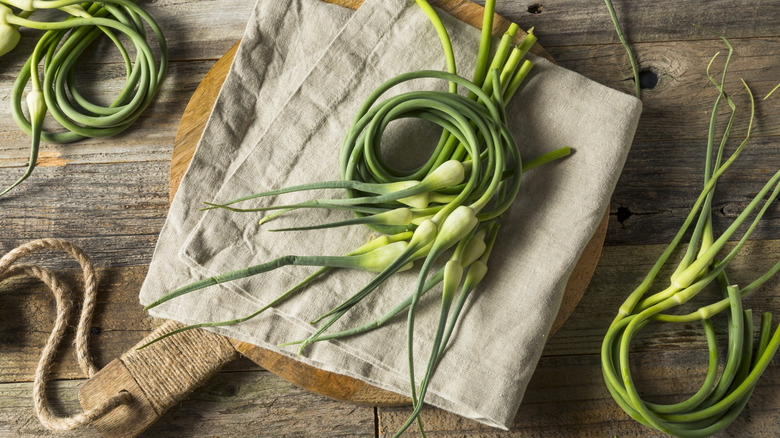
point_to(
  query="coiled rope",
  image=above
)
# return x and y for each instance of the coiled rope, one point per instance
(9, 268)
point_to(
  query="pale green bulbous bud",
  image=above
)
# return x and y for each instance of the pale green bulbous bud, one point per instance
(421, 219)
(422, 252)
(380, 258)
(36, 104)
(419, 200)
(76, 11)
(475, 275)
(9, 38)
(455, 227)
(399, 185)
(473, 251)
(448, 174)
(9, 35)
(453, 272)
(406, 235)
(25, 5)
(398, 216)
(424, 234)
(371, 245)
(440, 198)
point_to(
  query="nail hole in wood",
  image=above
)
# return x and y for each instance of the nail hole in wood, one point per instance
(535, 8)
(647, 79)
(623, 214)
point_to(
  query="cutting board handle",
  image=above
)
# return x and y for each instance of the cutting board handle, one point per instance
(157, 377)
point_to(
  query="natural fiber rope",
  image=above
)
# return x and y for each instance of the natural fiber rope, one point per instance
(189, 359)
(64, 307)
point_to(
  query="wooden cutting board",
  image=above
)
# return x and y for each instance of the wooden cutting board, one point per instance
(193, 123)
(195, 355)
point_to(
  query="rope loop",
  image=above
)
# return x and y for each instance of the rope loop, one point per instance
(62, 296)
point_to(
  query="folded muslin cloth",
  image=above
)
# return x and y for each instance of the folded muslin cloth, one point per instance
(301, 72)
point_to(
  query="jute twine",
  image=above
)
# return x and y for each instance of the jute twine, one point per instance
(188, 359)
(64, 308)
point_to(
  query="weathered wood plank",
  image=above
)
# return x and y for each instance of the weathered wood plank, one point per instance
(114, 212)
(567, 398)
(678, 107)
(680, 104)
(662, 179)
(574, 22)
(256, 404)
(27, 315)
(27, 311)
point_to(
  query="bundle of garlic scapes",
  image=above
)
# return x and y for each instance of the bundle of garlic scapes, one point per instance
(721, 397)
(60, 49)
(453, 201)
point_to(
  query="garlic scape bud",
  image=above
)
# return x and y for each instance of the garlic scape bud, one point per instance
(455, 227)
(474, 248)
(399, 216)
(449, 173)
(424, 234)
(370, 245)
(9, 35)
(421, 219)
(420, 215)
(379, 259)
(441, 198)
(75, 10)
(36, 104)
(419, 200)
(476, 273)
(453, 273)
(382, 241)
(25, 5)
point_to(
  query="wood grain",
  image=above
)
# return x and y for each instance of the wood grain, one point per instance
(111, 197)
(120, 323)
(231, 404)
(567, 398)
(670, 111)
(574, 22)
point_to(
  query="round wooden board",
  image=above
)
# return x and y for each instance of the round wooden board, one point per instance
(329, 384)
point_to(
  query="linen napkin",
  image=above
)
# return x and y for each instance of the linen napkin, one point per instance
(300, 74)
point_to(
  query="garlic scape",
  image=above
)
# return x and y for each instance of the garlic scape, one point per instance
(448, 208)
(726, 389)
(9, 34)
(53, 63)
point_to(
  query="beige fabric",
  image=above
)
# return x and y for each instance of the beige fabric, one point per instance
(279, 121)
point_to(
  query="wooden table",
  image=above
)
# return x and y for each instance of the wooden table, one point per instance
(111, 197)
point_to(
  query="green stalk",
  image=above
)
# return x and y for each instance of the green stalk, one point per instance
(629, 52)
(61, 47)
(720, 399)
(281, 298)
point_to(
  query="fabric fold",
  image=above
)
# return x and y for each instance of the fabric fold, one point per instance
(285, 119)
